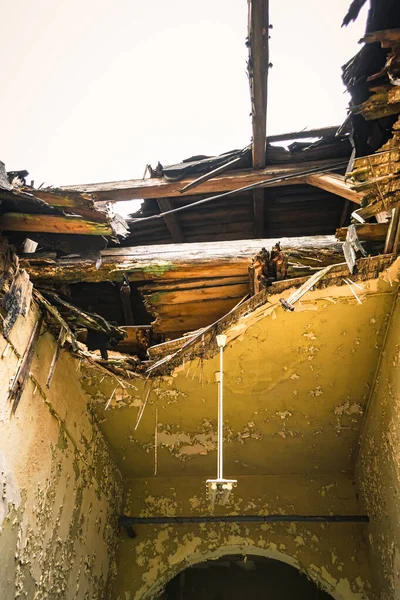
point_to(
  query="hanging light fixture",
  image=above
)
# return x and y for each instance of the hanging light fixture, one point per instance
(219, 489)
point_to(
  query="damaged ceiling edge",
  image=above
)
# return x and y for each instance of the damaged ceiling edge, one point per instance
(233, 324)
(203, 344)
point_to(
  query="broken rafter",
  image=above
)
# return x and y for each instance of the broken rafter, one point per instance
(39, 223)
(77, 317)
(335, 184)
(171, 220)
(393, 232)
(22, 374)
(369, 232)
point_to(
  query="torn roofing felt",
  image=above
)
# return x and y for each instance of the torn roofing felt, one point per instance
(325, 148)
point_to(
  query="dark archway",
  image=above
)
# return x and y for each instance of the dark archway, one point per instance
(237, 577)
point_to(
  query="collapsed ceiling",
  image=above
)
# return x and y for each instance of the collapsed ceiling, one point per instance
(290, 252)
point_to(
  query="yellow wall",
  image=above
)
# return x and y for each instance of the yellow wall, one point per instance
(60, 492)
(332, 554)
(378, 468)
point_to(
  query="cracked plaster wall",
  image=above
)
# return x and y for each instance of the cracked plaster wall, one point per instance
(378, 468)
(332, 554)
(60, 491)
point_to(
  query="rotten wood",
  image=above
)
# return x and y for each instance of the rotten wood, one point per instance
(377, 176)
(267, 267)
(173, 261)
(392, 231)
(52, 224)
(396, 242)
(16, 301)
(368, 232)
(75, 317)
(54, 319)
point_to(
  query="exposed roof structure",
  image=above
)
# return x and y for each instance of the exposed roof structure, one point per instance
(215, 231)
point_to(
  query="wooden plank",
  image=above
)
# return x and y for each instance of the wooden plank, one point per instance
(392, 230)
(335, 184)
(192, 284)
(259, 212)
(37, 223)
(371, 232)
(161, 188)
(396, 243)
(380, 205)
(171, 221)
(200, 315)
(170, 299)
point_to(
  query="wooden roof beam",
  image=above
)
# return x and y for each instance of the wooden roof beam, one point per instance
(170, 262)
(155, 187)
(258, 28)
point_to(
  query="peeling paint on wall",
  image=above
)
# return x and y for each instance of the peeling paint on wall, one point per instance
(378, 468)
(334, 557)
(60, 491)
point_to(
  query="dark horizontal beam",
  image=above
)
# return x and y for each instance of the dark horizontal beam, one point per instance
(127, 521)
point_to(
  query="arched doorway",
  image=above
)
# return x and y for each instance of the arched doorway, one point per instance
(238, 577)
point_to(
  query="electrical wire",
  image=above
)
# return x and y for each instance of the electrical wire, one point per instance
(252, 186)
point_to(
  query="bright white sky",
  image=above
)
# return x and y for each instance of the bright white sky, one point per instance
(92, 90)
